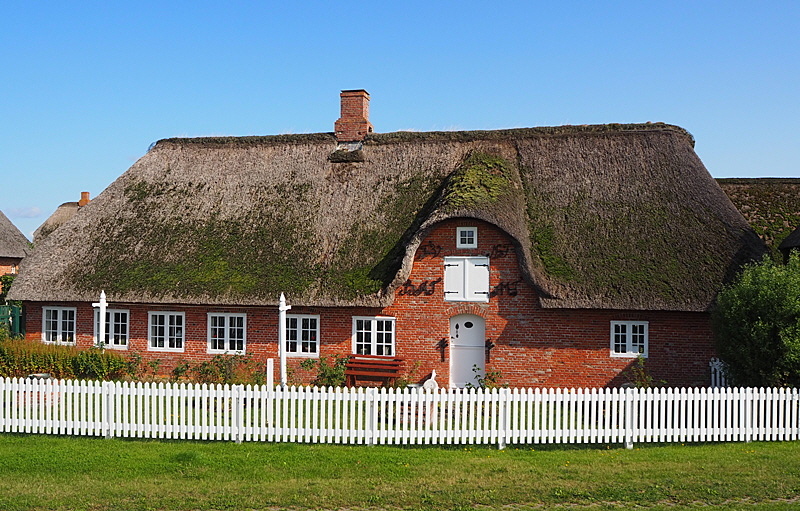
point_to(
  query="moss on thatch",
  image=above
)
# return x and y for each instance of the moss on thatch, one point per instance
(478, 183)
(770, 205)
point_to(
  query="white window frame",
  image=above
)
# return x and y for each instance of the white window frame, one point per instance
(459, 237)
(167, 335)
(294, 334)
(631, 336)
(374, 335)
(466, 279)
(65, 327)
(119, 341)
(227, 327)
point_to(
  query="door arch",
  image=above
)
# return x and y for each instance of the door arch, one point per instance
(467, 350)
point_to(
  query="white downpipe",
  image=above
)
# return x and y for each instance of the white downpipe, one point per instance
(282, 308)
(103, 305)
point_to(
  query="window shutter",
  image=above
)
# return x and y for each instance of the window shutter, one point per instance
(454, 278)
(477, 279)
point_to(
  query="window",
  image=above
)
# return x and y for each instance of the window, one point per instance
(226, 332)
(166, 331)
(373, 336)
(466, 279)
(466, 237)
(58, 325)
(13, 269)
(116, 328)
(302, 335)
(629, 338)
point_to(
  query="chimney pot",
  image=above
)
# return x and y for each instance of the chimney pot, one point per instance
(353, 125)
(84, 199)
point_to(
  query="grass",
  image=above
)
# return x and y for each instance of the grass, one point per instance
(55, 473)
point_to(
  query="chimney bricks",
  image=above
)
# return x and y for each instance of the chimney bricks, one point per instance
(84, 199)
(353, 125)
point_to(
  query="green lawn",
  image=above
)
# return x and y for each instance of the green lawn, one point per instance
(60, 473)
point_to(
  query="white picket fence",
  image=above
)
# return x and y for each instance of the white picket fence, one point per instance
(389, 416)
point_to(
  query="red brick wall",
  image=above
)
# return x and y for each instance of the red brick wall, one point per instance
(8, 265)
(533, 346)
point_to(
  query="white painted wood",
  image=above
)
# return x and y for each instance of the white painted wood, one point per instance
(390, 416)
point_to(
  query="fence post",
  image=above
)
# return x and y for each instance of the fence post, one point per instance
(503, 410)
(238, 415)
(107, 413)
(629, 418)
(371, 416)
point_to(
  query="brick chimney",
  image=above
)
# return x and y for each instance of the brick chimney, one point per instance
(84, 199)
(353, 125)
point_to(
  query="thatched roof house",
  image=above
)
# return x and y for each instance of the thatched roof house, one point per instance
(610, 217)
(59, 217)
(566, 252)
(13, 244)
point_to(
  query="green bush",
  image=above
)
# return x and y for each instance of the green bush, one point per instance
(225, 369)
(328, 374)
(19, 358)
(757, 325)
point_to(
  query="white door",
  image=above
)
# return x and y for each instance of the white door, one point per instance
(467, 350)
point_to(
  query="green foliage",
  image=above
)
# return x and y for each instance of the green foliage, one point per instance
(639, 375)
(489, 380)
(180, 371)
(328, 374)
(5, 286)
(227, 369)
(19, 358)
(757, 325)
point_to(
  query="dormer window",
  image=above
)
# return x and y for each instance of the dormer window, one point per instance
(467, 237)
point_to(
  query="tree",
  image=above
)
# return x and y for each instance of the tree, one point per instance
(756, 325)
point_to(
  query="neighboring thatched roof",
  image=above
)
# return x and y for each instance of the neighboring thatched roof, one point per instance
(770, 205)
(612, 216)
(13, 243)
(791, 241)
(59, 217)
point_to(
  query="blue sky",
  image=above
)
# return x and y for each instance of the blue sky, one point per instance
(88, 86)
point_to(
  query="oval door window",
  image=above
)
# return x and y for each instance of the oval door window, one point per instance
(468, 324)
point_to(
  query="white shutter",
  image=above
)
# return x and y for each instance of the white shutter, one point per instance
(477, 281)
(466, 279)
(454, 279)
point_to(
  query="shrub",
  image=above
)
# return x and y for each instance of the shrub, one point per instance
(19, 358)
(328, 374)
(230, 369)
(757, 325)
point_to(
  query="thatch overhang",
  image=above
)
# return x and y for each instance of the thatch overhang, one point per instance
(13, 244)
(612, 216)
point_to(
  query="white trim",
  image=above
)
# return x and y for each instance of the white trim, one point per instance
(298, 353)
(625, 335)
(473, 244)
(373, 332)
(60, 320)
(166, 335)
(109, 329)
(226, 327)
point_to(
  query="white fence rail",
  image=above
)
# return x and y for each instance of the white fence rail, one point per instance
(389, 416)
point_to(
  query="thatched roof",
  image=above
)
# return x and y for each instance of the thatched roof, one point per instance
(612, 216)
(791, 241)
(13, 243)
(59, 217)
(770, 205)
